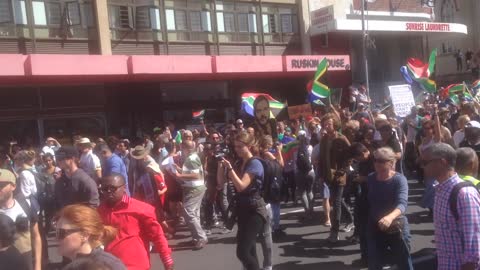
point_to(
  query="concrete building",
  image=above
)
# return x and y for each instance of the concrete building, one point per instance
(397, 30)
(122, 66)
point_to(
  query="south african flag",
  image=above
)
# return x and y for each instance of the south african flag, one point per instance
(198, 114)
(249, 98)
(319, 90)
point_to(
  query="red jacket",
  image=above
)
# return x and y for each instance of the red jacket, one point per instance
(137, 226)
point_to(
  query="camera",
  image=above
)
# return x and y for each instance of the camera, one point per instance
(221, 153)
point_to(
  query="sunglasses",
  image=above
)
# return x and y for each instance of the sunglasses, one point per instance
(109, 189)
(63, 233)
(381, 160)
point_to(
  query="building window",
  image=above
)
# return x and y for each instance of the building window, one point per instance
(188, 15)
(59, 13)
(6, 15)
(236, 17)
(281, 19)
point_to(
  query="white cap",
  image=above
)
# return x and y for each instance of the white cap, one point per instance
(473, 124)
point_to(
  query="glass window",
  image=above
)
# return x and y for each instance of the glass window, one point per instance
(21, 12)
(5, 12)
(286, 20)
(155, 18)
(180, 20)
(142, 17)
(39, 13)
(242, 22)
(170, 19)
(120, 17)
(266, 23)
(196, 21)
(229, 21)
(54, 13)
(87, 15)
(73, 12)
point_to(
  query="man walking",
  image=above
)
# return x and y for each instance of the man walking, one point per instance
(193, 191)
(111, 163)
(137, 225)
(456, 211)
(75, 186)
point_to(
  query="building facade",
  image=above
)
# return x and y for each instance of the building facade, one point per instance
(94, 67)
(396, 31)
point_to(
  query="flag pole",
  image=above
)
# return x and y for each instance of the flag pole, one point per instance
(364, 49)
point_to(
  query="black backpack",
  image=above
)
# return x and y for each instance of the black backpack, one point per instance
(45, 188)
(272, 180)
(452, 200)
(304, 163)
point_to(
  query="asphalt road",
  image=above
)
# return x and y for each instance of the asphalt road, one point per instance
(304, 247)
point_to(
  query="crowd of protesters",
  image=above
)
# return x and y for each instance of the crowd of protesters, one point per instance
(110, 200)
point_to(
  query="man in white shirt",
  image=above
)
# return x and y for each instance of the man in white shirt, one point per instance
(89, 162)
(51, 146)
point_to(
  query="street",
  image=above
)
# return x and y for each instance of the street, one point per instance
(303, 248)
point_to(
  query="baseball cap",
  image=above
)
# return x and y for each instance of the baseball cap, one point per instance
(7, 176)
(66, 152)
(473, 124)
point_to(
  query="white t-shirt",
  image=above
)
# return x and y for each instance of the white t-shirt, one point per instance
(90, 163)
(458, 137)
(27, 183)
(50, 150)
(23, 241)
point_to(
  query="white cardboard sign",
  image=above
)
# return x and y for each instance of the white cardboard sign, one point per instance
(402, 99)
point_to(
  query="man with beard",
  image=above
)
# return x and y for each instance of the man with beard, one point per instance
(472, 137)
(27, 236)
(263, 124)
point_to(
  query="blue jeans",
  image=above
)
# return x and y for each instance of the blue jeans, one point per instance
(378, 242)
(275, 216)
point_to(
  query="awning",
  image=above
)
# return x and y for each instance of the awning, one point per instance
(388, 26)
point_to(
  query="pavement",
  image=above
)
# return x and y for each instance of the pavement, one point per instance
(304, 248)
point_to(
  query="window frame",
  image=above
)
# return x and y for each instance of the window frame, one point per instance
(236, 15)
(11, 13)
(188, 20)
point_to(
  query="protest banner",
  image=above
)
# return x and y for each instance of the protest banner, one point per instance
(294, 112)
(402, 99)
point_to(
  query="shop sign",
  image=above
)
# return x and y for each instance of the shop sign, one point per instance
(427, 27)
(295, 112)
(402, 99)
(321, 17)
(310, 62)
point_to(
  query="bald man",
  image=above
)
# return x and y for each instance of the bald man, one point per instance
(193, 187)
(136, 222)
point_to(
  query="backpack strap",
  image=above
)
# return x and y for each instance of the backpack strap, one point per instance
(26, 207)
(452, 200)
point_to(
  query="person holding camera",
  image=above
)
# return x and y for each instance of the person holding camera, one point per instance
(248, 205)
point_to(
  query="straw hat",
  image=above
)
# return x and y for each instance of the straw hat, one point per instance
(139, 152)
(84, 141)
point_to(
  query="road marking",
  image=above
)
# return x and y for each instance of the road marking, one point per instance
(298, 210)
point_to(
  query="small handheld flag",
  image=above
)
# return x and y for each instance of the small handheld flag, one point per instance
(198, 114)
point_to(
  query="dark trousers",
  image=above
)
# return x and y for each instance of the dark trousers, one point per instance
(339, 208)
(410, 157)
(290, 186)
(249, 226)
(379, 241)
(360, 218)
(213, 198)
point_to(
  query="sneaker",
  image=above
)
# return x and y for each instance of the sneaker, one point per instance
(225, 231)
(208, 232)
(200, 244)
(348, 228)
(333, 238)
(267, 268)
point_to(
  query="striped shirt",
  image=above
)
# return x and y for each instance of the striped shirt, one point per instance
(458, 242)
